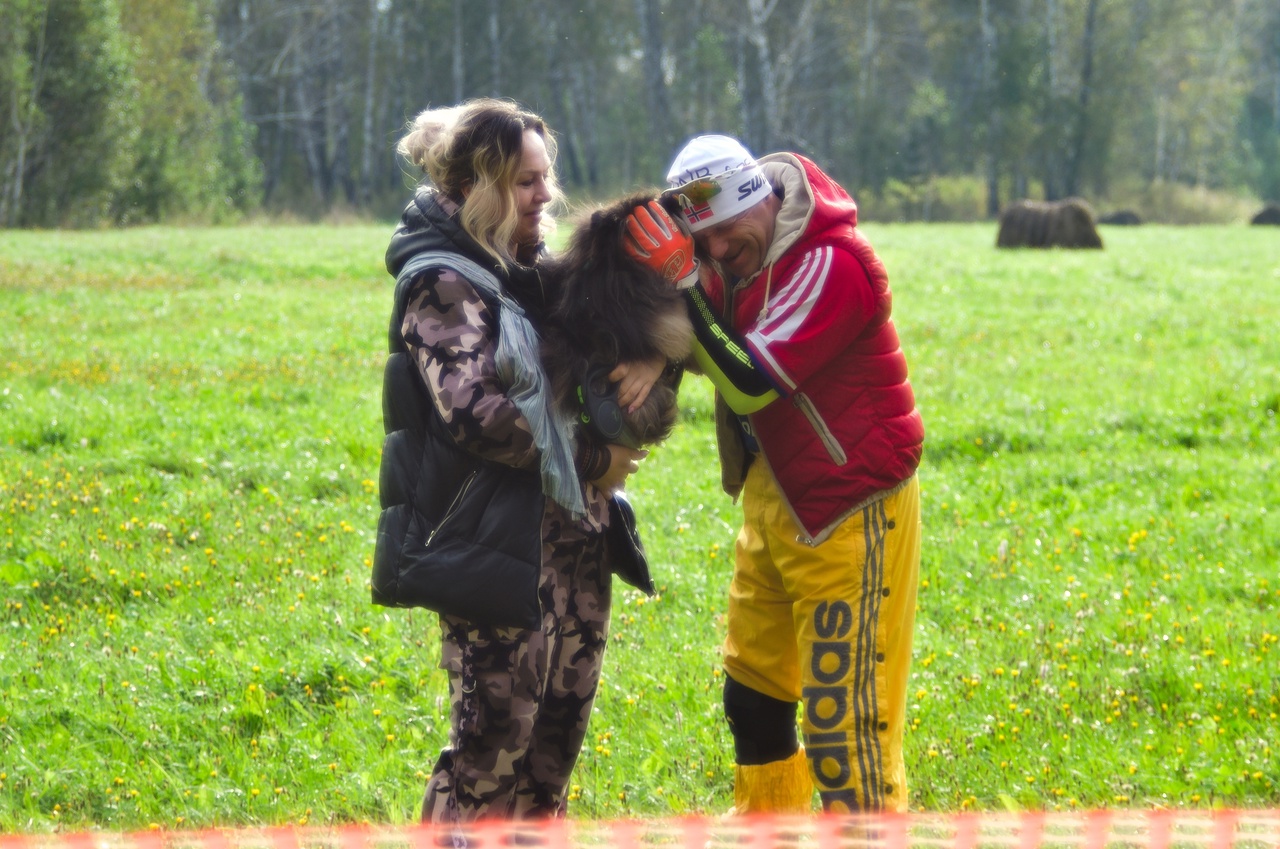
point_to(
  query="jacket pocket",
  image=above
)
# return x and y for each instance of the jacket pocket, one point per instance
(452, 509)
(834, 449)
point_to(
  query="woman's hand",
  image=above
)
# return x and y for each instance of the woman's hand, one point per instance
(622, 462)
(635, 379)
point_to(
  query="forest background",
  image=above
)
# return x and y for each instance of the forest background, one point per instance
(195, 111)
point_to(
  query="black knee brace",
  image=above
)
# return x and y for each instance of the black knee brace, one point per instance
(764, 728)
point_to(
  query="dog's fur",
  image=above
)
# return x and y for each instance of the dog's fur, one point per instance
(608, 309)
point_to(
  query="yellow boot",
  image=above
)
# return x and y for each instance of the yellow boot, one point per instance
(779, 787)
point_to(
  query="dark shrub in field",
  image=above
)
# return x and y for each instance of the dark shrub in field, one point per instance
(1269, 214)
(1122, 217)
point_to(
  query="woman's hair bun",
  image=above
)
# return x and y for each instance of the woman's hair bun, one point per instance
(429, 135)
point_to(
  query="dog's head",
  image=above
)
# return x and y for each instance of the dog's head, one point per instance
(614, 307)
(608, 308)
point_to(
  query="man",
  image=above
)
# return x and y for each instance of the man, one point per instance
(819, 435)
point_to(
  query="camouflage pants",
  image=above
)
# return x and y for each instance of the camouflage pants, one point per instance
(520, 699)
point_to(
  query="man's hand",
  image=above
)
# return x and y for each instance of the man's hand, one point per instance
(654, 239)
(622, 462)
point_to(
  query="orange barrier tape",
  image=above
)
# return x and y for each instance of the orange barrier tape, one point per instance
(1163, 829)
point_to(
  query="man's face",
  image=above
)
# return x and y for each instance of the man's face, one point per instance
(741, 243)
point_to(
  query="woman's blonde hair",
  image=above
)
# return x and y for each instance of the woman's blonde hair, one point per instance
(474, 150)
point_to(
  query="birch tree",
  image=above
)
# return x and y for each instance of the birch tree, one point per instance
(68, 133)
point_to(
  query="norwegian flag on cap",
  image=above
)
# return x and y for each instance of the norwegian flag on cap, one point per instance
(695, 212)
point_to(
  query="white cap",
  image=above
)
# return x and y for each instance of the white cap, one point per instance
(739, 182)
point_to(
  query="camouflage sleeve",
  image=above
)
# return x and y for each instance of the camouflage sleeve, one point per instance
(453, 337)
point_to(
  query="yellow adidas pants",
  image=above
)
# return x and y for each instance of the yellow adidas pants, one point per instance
(830, 626)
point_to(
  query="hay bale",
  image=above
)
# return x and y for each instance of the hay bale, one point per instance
(1066, 223)
(1122, 218)
(1269, 214)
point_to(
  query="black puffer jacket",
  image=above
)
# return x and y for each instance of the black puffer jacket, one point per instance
(458, 534)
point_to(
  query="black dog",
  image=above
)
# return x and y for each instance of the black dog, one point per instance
(607, 309)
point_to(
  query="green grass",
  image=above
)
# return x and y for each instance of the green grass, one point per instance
(190, 425)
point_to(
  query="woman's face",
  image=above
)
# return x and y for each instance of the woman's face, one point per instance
(532, 192)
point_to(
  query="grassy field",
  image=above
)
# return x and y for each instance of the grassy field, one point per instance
(190, 426)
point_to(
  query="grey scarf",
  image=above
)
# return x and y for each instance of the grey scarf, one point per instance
(520, 368)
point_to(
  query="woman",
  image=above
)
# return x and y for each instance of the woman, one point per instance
(494, 515)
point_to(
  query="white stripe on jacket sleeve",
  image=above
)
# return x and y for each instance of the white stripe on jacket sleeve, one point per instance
(792, 306)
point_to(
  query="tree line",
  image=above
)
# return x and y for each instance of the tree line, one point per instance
(126, 111)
